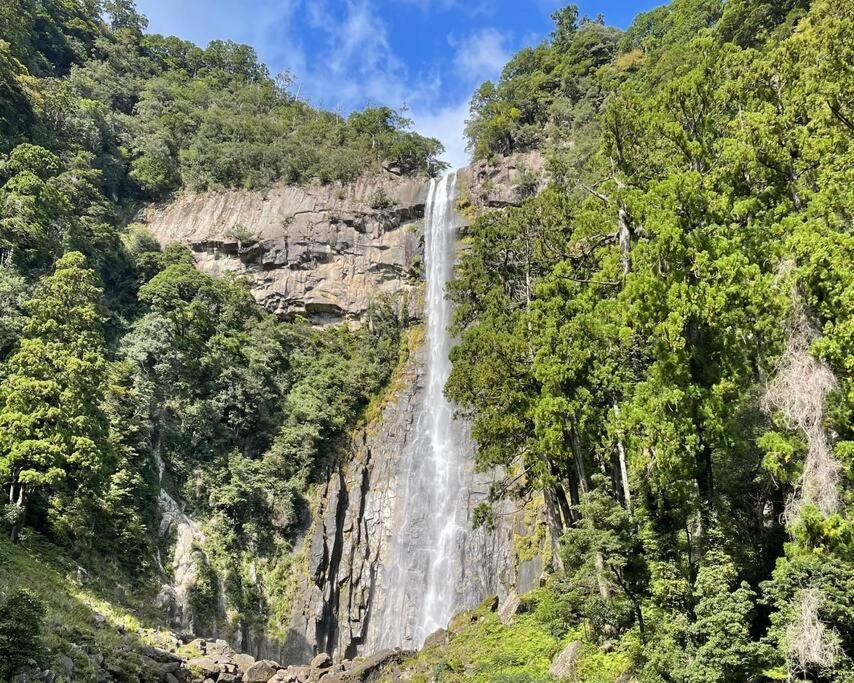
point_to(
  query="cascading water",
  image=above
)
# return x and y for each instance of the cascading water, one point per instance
(425, 580)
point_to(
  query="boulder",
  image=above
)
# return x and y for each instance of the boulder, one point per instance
(298, 673)
(364, 669)
(219, 647)
(243, 661)
(563, 666)
(508, 610)
(321, 661)
(204, 666)
(66, 666)
(158, 654)
(261, 671)
(437, 638)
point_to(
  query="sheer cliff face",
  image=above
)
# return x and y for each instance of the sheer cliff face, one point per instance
(323, 251)
(372, 555)
(343, 590)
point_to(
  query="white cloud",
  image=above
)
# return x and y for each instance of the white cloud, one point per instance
(446, 124)
(358, 65)
(481, 55)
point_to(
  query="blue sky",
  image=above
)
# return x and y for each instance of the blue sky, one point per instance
(426, 54)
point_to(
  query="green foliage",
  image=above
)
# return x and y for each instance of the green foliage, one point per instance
(21, 615)
(379, 200)
(99, 615)
(543, 90)
(482, 649)
(618, 331)
(721, 632)
(12, 317)
(54, 431)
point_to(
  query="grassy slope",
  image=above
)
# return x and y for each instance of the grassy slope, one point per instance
(483, 650)
(96, 615)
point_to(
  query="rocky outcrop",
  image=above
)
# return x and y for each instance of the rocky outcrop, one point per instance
(352, 531)
(218, 663)
(180, 660)
(342, 593)
(488, 184)
(563, 666)
(174, 597)
(358, 520)
(325, 251)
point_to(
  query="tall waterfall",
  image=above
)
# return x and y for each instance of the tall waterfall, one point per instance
(425, 580)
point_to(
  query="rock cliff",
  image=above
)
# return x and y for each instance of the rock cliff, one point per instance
(356, 523)
(497, 185)
(325, 251)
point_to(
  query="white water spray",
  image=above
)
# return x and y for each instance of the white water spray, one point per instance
(425, 578)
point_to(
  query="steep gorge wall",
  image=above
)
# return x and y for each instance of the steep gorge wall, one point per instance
(351, 537)
(343, 591)
(324, 252)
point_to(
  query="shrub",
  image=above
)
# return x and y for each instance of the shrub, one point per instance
(21, 616)
(379, 200)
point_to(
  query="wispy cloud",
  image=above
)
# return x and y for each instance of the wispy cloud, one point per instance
(446, 124)
(480, 55)
(357, 64)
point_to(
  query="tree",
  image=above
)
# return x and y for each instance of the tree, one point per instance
(52, 424)
(21, 617)
(725, 650)
(566, 24)
(123, 15)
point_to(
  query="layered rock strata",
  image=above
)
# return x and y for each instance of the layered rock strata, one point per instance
(324, 251)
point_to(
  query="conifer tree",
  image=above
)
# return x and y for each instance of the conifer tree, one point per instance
(52, 426)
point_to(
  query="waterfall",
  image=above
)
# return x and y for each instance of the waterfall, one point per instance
(425, 578)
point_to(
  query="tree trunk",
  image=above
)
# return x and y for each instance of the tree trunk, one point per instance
(580, 468)
(624, 473)
(602, 582)
(625, 240)
(17, 501)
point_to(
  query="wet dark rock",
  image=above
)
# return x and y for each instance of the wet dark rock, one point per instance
(321, 661)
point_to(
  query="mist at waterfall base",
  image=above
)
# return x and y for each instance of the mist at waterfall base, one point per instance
(426, 578)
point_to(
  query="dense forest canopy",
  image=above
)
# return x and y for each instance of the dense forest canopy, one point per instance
(123, 369)
(663, 339)
(153, 113)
